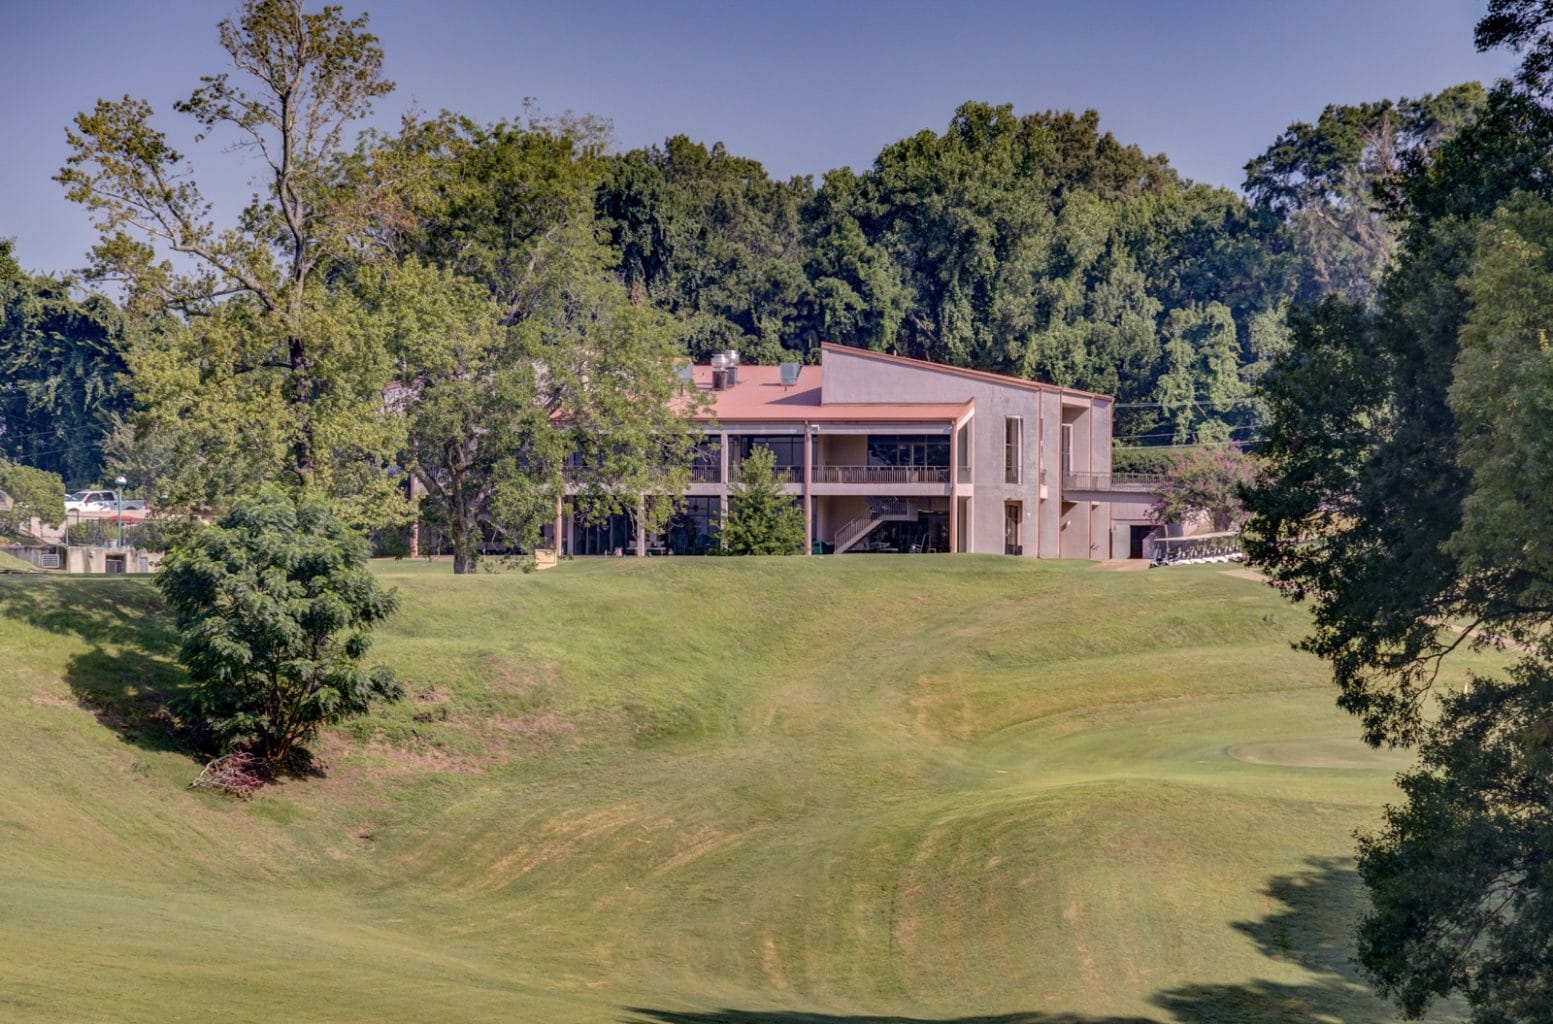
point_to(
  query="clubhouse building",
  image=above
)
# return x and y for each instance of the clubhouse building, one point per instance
(889, 454)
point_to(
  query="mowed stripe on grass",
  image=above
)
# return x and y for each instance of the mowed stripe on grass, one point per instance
(855, 787)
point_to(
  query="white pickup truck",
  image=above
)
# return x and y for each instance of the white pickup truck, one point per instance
(91, 501)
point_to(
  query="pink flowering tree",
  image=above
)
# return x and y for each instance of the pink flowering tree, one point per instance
(1206, 481)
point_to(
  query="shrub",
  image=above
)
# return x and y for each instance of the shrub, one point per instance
(274, 605)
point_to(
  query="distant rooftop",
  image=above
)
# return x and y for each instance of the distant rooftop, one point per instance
(760, 396)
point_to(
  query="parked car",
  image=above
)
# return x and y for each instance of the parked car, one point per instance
(91, 501)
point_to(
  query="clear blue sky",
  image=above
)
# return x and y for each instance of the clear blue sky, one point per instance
(801, 86)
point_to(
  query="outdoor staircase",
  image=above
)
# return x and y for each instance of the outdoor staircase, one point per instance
(881, 510)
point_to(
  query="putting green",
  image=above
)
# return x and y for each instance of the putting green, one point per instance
(1321, 752)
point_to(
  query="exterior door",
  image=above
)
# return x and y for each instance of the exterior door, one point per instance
(1013, 525)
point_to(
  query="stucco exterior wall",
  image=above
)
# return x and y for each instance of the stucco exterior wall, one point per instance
(858, 377)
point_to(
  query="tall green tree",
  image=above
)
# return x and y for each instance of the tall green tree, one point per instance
(1406, 446)
(1333, 184)
(268, 294)
(763, 519)
(275, 605)
(554, 385)
(712, 238)
(1041, 246)
(32, 494)
(62, 374)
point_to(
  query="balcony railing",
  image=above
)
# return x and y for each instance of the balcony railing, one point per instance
(1144, 482)
(964, 473)
(787, 475)
(706, 474)
(882, 475)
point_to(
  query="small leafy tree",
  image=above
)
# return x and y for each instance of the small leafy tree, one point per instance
(33, 493)
(1206, 481)
(275, 604)
(762, 519)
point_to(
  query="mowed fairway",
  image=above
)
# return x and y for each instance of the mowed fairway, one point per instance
(765, 791)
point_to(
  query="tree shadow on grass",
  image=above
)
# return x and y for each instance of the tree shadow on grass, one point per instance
(1314, 930)
(643, 1016)
(129, 675)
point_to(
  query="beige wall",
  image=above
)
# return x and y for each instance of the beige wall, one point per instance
(860, 378)
(843, 449)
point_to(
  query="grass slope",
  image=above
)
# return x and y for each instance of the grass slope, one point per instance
(764, 791)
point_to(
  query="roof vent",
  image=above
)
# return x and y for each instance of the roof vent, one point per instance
(790, 374)
(725, 370)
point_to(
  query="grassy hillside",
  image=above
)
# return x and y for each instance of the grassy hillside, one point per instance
(684, 791)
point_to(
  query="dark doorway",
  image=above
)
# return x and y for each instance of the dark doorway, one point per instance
(1140, 536)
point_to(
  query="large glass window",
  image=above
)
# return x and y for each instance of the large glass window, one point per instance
(693, 529)
(1013, 528)
(930, 450)
(613, 535)
(1013, 449)
(787, 449)
(1067, 448)
(706, 463)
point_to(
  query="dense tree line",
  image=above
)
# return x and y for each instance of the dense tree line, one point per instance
(1408, 503)
(1037, 245)
(1034, 245)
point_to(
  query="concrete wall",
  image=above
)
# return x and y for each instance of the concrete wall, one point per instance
(843, 449)
(833, 511)
(82, 559)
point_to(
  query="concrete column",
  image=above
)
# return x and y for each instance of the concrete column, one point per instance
(560, 528)
(954, 488)
(808, 498)
(641, 528)
(722, 497)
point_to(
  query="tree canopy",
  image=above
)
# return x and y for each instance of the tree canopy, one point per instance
(272, 342)
(1405, 444)
(64, 373)
(275, 605)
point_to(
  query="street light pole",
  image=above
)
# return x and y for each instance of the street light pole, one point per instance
(119, 494)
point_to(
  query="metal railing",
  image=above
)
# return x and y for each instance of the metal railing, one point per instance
(881, 510)
(782, 475)
(706, 474)
(881, 475)
(964, 474)
(1144, 482)
(1203, 547)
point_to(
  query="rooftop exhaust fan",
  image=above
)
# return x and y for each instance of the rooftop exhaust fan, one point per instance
(790, 374)
(725, 370)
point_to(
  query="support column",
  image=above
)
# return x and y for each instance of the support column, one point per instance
(641, 528)
(954, 488)
(722, 474)
(808, 497)
(559, 538)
